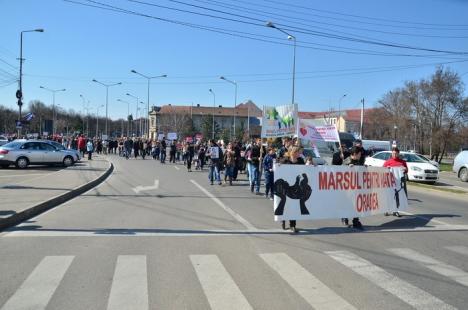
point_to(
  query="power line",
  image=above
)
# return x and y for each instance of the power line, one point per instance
(7, 63)
(288, 27)
(296, 19)
(104, 6)
(374, 18)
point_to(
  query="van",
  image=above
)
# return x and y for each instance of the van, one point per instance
(374, 146)
(460, 165)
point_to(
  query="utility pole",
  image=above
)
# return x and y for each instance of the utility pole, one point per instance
(362, 118)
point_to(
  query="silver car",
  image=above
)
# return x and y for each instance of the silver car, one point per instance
(23, 153)
(3, 140)
(460, 165)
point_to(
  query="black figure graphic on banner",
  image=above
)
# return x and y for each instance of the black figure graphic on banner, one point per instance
(300, 190)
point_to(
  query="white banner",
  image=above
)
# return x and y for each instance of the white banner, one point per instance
(279, 121)
(327, 192)
(172, 135)
(160, 136)
(311, 132)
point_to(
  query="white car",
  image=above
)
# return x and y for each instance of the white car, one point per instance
(418, 168)
(460, 165)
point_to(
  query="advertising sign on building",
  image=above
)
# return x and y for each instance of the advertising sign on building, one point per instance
(334, 192)
(279, 121)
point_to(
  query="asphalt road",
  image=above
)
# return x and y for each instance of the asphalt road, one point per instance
(157, 237)
(452, 179)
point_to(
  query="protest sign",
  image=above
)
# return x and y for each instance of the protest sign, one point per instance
(309, 131)
(326, 192)
(279, 121)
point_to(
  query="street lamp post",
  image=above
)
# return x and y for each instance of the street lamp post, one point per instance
(86, 108)
(128, 114)
(53, 91)
(290, 37)
(136, 112)
(214, 105)
(235, 100)
(339, 110)
(107, 98)
(97, 119)
(19, 93)
(149, 82)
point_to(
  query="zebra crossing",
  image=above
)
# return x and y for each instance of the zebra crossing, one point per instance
(129, 286)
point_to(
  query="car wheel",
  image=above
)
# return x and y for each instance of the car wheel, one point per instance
(463, 174)
(68, 161)
(22, 163)
(5, 166)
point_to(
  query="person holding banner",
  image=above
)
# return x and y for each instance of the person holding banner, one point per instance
(396, 161)
(268, 171)
(292, 157)
(354, 160)
(213, 153)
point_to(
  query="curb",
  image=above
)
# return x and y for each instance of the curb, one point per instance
(31, 212)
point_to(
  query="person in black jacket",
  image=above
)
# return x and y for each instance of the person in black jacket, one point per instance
(340, 155)
(354, 160)
(163, 151)
(292, 157)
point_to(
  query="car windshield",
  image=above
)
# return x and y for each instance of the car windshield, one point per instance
(412, 158)
(58, 145)
(12, 145)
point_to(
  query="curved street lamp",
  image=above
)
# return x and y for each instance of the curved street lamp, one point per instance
(214, 105)
(148, 98)
(290, 37)
(53, 91)
(107, 97)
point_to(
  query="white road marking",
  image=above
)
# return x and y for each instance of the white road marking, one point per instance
(458, 249)
(37, 290)
(220, 289)
(239, 218)
(449, 271)
(130, 284)
(176, 167)
(317, 294)
(214, 233)
(403, 290)
(21, 175)
(424, 218)
(141, 188)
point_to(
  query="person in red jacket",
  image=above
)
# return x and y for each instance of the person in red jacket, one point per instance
(82, 145)
(395, 160)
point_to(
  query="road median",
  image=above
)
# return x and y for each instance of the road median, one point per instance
(24, 200)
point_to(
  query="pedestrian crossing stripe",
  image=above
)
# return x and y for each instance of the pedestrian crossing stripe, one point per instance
(436, 266)
(129, 286)
(220, 289)
(401, 289)
(317, 294)
(38, 288)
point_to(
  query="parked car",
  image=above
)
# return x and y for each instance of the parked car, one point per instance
(22, 153)
(3, 140)
(432, 162)
(418, 168)
(61, 147)
(460, 165)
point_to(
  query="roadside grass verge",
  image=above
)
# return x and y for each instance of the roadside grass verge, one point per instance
(445, 167)
(435, 187)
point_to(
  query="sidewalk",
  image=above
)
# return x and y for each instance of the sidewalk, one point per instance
(22, 199)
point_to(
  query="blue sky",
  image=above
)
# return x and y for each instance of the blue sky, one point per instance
(81, 43)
